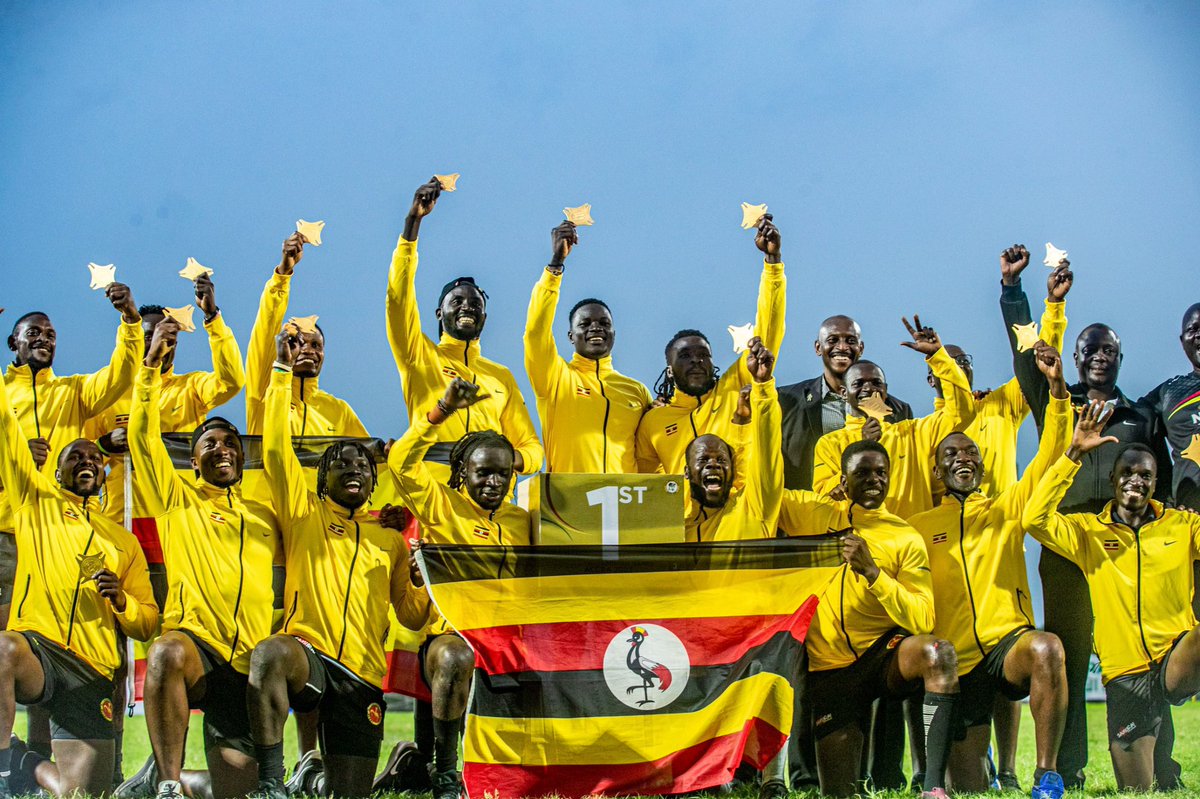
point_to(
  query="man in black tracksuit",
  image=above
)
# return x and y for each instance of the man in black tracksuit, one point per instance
(811, 409)
(1066, 604)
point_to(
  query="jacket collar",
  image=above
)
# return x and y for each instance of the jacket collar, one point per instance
(459, 350)
(1079, 394)
(602, 366)
(303, 388)
(212, 493)
(23, 374)
(1106, 515)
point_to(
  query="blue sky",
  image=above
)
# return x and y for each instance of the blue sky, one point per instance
(899, 148)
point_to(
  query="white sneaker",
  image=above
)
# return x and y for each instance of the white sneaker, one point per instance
(169, 789)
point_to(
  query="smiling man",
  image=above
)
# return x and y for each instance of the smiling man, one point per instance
(471, 508)
(589, 411)
(82, 579)
(1138, 556)
(219, 550)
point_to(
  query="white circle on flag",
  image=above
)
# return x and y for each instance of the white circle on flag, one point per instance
(646, 666)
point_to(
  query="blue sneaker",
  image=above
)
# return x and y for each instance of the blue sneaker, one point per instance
(1050, 786)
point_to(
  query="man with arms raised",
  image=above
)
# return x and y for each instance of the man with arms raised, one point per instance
(696, 401)
(1137, 554)
(343, 567)
(427, 368)
(981, 595)
(871, 636)
(472, 508)
(589, 411)
(81, 577)
(219, 550)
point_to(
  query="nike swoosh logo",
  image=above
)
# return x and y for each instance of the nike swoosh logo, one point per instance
(1168, 543)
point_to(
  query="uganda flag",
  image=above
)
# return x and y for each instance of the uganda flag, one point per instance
(638, 669)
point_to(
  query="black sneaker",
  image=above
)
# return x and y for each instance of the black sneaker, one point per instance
(142, 784)
(917, 782)
(447, 785)
(1007, 781)
(772, 789)
(302, 782)
(5, 793)
(406, 769)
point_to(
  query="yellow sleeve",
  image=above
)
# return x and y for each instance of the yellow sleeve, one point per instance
(542, 361)
(409, 345)
(281, 467)
(764, 477)
(959, 409)
(518, 427)
(17, 471)
(809, 513)
(644, 452)
(1013, 400)
(410, 603)
(227, 376)
(1054, 324)
(908, 597)
(260, 352)
(164, 488)
(417, 489)
(770, 316)
(1041, 519)
(139, 620)
(827, 461)
(103, 388)
(1056, 437)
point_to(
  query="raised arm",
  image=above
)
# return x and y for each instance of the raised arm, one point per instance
(289, 488)
(542, 361)
(959, 409)
(764, 477)
(1056, 435)
(260, 352)
(769, 318)
(518, 426)
(162, 485)
(101, 389)
(227, 376)
(906, 596)
(409, 345)
(18, 473)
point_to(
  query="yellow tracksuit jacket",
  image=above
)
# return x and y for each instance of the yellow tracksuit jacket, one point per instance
(57, 408)
(61, 543)
(977, 553)
(665, 432)
(853, 615)
(910, 444)
(589, 411)
(184, 402)
(342, 566)
(1140, 581)
(427, 368)
(448, 516)
(752, 510)
(999, 415)
(313, 412)
(218, 548)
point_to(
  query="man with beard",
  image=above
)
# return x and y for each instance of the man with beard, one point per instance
(344, 570)
(696, 402)
(815, 407)
(471, 508)
(314, 412)
(1138, 556)
(589, 411)
(81, 577)
(427, 368)
(910, 443)
(1067, 610)
(976, 551)
(219, 550)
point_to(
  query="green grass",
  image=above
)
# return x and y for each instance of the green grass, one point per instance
(398, 725)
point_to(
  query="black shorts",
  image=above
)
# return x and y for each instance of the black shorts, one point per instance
(1138, 702)
(841, 697)
(351, 711)
(78, 698)
(979, 686)
(8, 565)
(226, 719)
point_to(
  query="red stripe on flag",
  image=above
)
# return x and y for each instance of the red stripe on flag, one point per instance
(139, 679)
(696, 768)
(556, 646)
(404, 676)
(146, 531)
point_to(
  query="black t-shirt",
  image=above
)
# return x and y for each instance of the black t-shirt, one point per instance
(1175, 405)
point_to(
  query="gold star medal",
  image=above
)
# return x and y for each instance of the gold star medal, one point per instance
(182, 317)
(447, 182)
(304, 324)
(1054, 256)
(102, 276)
(194, 270)
(310, 231)
(1192, 453)
(875, 407)
(741, 337)
(1027, 336)
(751, 214)
(579, 215)
(89, 565)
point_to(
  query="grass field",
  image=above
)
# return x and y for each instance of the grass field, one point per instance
(1100, 777)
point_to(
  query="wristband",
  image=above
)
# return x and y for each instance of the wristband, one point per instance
(215, 314)
(280, 366)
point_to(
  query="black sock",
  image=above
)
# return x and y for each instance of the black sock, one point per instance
(1037, 774)
(42, 748)
(423, 728)
(270, 763)
(938, 713)
(5, 762)
(445, 744)
(119, 760)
